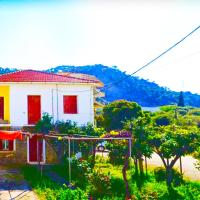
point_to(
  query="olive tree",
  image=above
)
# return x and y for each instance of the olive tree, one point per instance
(117, 112)
(171, 142)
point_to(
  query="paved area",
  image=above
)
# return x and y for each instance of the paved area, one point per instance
(188, 166)
(13, 186)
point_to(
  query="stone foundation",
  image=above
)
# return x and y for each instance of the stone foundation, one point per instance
(19, 156)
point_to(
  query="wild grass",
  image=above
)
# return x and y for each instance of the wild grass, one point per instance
(142, 188)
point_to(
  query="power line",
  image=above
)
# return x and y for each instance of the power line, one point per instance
(147, 64)
(153, 60)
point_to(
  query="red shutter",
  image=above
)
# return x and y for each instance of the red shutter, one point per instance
(70, 104)
(10, 145)
(1, 145)
(2, 108)
(34, 109)
(35, 149)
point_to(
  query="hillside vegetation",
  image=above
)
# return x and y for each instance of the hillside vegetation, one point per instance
(132, 88)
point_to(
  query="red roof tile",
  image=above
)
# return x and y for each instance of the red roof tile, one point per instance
(38, 76)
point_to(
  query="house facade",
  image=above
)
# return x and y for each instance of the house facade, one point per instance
(26, 95)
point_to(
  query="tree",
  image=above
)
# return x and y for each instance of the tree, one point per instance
(181, 100)
(140, 146)
(117, 112)
(171, 142)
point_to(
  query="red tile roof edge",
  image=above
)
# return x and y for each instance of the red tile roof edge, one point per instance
(48, 73)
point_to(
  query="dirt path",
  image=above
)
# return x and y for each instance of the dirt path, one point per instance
(13, 186)
(189, 169)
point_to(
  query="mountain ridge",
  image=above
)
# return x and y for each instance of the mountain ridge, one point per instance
(124, 86)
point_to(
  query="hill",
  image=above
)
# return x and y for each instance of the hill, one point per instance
(132, 88)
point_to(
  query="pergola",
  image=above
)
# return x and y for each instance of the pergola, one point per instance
(87, 138)
(12, 135)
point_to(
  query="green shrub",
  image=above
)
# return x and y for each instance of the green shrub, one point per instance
(45, 124)
(160, 175)
(80, 170)
(168, 108)
(49, 190)
(66, 127)
(100, 184)
(163, 119)
(117, 186)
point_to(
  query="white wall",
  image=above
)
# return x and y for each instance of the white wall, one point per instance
(49, 94)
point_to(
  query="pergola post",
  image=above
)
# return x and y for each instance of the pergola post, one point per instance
(130, 147)
(69, 160)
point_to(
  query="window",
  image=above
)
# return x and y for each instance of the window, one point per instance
(70, 104)
(6, 145)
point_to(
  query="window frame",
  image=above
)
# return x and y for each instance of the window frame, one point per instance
(70, 113)
(7, 150)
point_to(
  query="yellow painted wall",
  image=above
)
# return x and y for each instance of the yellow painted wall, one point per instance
(5, 92)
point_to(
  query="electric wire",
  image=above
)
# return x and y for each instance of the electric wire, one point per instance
(107, 86)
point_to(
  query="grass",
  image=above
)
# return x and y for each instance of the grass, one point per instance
(146, 188)
(48, 190)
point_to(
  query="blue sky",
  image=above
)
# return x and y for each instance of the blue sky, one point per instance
(42, 34)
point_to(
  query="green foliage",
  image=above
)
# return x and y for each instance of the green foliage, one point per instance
(162, 119)
(117, 186)
(197, 156)
(45, 124)
(160, 175)
(49, 190)
(66, 127)
(168, 108)
(116, 113)
(195, 112)
(117, 150)
(139, 128)
(80, 170)
(173, 140)
(100, 184)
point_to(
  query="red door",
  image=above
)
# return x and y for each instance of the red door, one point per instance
(1, 108)
(35, 149)
(34, 109)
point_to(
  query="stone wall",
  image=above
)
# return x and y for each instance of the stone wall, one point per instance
(15, 157)
(20, 155)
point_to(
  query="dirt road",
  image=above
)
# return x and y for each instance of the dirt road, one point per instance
(189, 169)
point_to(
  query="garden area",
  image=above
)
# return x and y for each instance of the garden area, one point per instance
(107, 166)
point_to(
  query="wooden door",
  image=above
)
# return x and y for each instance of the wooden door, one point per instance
(1, 108)
(36, 149)
(34, 109)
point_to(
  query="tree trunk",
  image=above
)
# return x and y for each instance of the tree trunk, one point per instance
(136, 167)
(141, 166)
(93, 155)
(125, 167)
(146, 165)
(181, 168)
(169, 176)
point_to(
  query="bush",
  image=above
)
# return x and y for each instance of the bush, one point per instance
(163, 119)
(49, 190)
(160, 175)
(117, 186)
(66, 127)
(80, 170)
(45, 124)
(100, 184)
